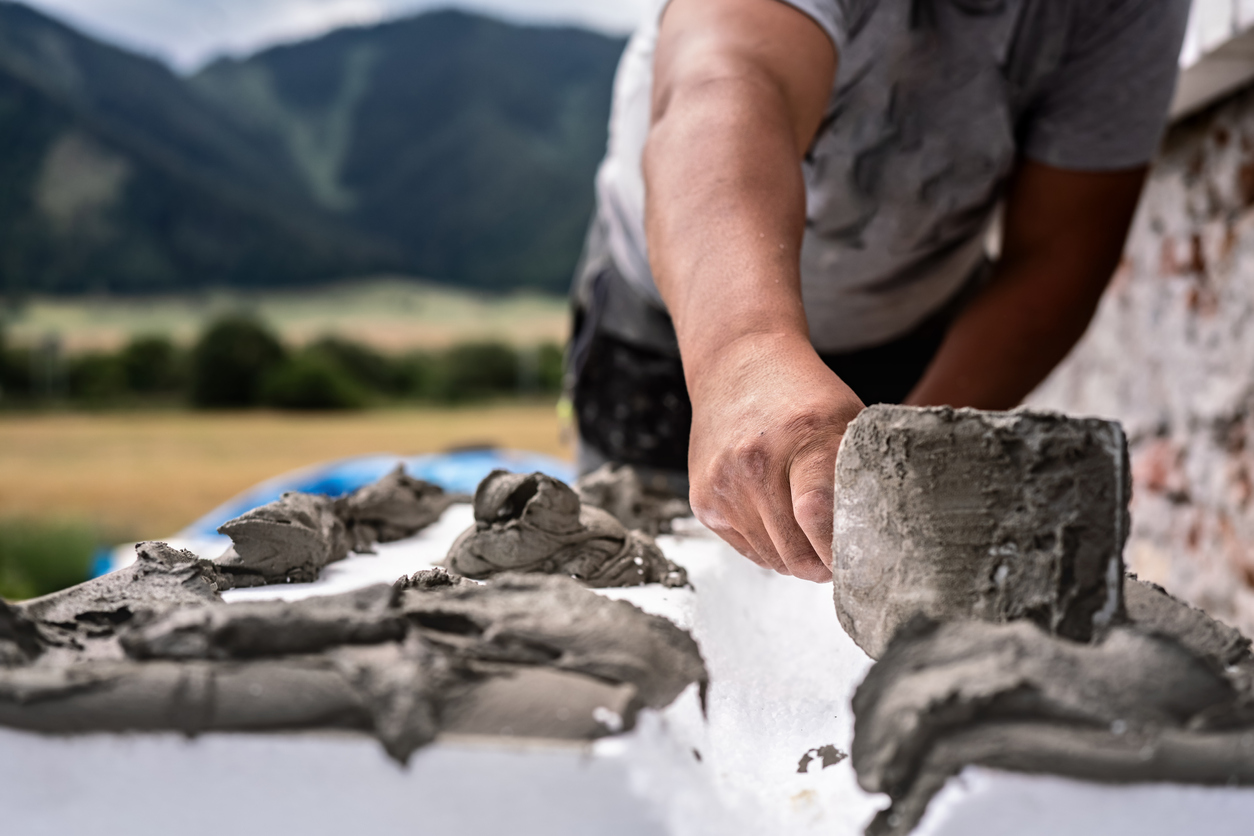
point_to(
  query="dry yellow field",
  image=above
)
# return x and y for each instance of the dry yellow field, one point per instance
(147, 474)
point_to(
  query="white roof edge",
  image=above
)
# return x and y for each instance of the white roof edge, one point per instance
(1217, 58)
(1216, 74)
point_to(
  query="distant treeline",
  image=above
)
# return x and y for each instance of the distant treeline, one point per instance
(239, 363)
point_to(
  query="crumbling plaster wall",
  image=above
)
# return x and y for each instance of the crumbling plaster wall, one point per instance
(1171, 355)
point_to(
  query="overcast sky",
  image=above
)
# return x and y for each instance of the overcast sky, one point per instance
(188, 32)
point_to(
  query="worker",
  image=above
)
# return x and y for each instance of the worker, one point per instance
(794, 219)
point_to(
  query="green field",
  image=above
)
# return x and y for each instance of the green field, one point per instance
(391, 314)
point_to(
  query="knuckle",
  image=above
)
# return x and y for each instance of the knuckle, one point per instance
(807, 422)
(711, 518)
(708, 507)
(753, 456)
(813, 507)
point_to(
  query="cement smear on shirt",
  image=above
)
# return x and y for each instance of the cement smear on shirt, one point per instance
(535, 523)
(1006, 650)
(154, 647)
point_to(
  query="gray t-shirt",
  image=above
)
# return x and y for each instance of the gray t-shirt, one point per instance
(932, 104)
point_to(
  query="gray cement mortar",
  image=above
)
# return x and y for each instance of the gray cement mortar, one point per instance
(987, 546)
(535, 523)
(154, 647)
(618, 489)
(1170, 355)
(959, 513)
(1136, 706)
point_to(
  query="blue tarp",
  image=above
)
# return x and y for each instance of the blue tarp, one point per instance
(459, 472)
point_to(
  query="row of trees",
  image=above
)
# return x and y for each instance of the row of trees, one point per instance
(240, 363)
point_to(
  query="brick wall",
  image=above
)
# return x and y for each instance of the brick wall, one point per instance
(1171, 355)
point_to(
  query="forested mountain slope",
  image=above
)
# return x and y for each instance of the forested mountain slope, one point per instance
(448, 145)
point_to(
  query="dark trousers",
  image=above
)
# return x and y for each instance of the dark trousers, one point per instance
(630, 399)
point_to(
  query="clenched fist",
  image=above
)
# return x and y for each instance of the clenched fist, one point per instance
(768, 418)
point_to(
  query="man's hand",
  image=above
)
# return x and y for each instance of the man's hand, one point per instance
(740, 87)
(767, 421)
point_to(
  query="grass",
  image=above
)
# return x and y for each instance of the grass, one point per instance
(42, 556)
(391, 314)
(151, 473)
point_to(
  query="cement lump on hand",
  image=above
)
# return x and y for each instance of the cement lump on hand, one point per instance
(534, 523)
(155, 648)
(965, 514)
(618, 489)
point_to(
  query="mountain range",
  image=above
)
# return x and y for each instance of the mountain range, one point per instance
(449, 146)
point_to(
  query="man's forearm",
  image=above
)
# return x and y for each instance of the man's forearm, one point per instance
(739, 90)
(740, 87)
(726, 211)
(1062, 239)
(725, 216)
(1006, 342)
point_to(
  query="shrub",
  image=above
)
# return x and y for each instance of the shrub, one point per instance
(96, 378)
(39, 557)
(420, 375)
(478, 370)
(550, 367)
(15, 375)
(230, 362)
(311, 380)
(152, 365)
(367, 367)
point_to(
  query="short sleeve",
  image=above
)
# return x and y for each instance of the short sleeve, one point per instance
(832, 16)
(1105, 107)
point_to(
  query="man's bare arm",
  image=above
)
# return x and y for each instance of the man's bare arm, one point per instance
(1063, 235)
(740, 87)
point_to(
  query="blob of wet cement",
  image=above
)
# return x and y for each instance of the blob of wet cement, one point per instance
(535, 523)
(617, 488)
(990, 546)
(959, 513)
(153, 646)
